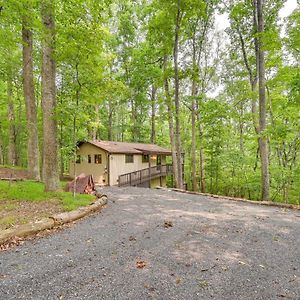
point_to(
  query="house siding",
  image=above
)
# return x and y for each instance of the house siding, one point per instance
(118, 166)
(99, 171)
(113, 165)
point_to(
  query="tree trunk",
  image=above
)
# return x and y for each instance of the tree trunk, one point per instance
(177, 102)
(202, 155)
(50, 151)
(62, 163)
(241, 129)
(153, 113)
(97, 121)
(134, 126)
(259, 123)
(12, 146)
(194, 115)
(1, 146)
(170, 121)
(202, 170)
(31, 111)
(263, 142)
(110, 120)
(193, 151)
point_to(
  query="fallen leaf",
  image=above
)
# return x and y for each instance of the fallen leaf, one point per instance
(140, 264)
(168, 224)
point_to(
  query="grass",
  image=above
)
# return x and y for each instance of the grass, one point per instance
(8, 221)
(12, 167)
(34, 192)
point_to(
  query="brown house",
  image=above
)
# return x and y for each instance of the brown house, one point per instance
(122, 164)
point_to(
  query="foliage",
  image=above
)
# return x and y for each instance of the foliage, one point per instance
(110, 56)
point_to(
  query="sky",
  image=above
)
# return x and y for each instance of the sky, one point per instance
(222, 20)
(288, 8)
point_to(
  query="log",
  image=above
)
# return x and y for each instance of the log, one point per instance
(81, 212)
(51, 222)
(26, 229)
(266, 203)
(11, 179)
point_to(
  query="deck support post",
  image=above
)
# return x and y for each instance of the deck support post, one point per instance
(149, 171)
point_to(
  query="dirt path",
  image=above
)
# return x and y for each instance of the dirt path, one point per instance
(192, 247)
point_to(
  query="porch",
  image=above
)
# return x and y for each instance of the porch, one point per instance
(140, 177)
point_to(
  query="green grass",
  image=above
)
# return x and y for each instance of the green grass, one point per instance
(81, 200)
(12, 167)
(34, 191)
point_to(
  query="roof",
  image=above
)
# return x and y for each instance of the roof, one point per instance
(129, 148)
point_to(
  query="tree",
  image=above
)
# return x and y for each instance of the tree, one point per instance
(250, 32)
(263, 142)
(50, 146)
(12, 141)
(33, 165)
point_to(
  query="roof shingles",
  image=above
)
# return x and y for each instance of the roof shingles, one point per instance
(130, 148)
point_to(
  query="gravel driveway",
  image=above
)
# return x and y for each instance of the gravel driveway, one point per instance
(207, 249)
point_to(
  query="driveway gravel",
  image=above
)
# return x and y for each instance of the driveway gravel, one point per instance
(156, 244)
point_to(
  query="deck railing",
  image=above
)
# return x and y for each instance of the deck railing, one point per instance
(138, 177)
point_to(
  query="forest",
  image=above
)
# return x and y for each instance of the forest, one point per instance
(156, 71)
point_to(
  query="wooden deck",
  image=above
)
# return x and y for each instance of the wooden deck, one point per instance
(145, 175)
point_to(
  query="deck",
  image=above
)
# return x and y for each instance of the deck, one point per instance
(145, 175)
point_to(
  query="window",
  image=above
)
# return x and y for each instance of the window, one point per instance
(98, 159)
(89, 159)
(128, 158)
(78, 159)
(145, 158)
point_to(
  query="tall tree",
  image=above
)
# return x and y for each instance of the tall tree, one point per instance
(30, 102)
(168, 100)
(250, 33)
(50, 145)
(263, 142)
(12, 137)
(153, 113)
(179, 13)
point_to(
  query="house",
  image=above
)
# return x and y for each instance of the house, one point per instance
(122, 164)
